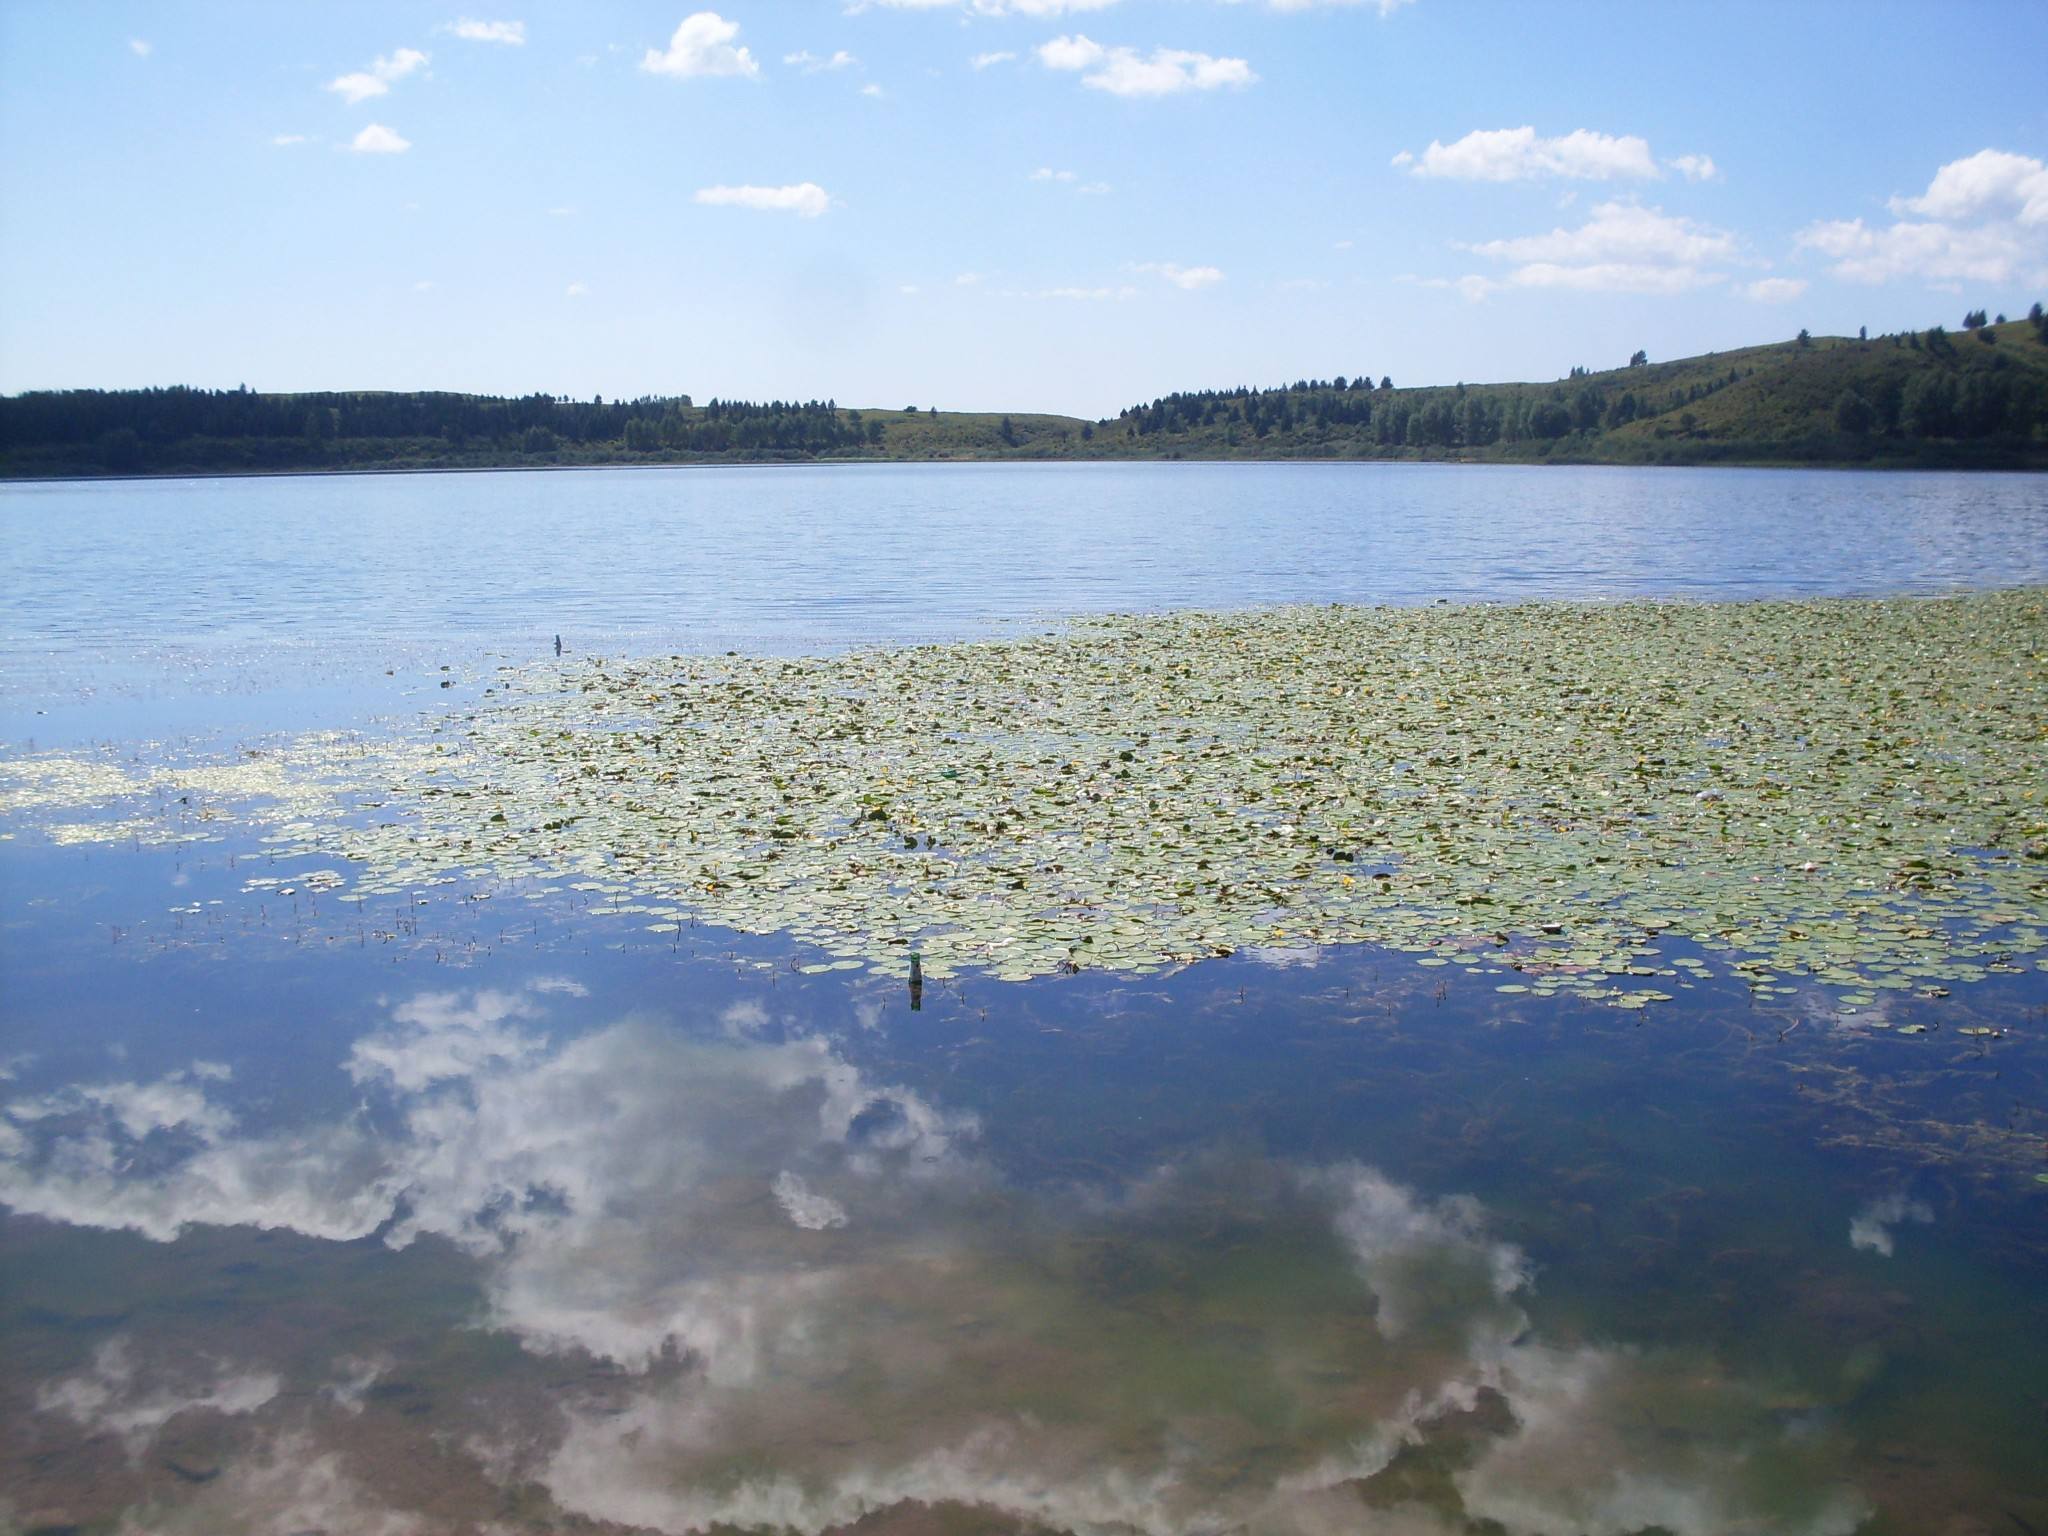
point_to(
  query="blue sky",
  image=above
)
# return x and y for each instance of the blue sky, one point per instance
(1061, 205)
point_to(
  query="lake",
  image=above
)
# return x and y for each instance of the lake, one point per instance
(1427, 1070)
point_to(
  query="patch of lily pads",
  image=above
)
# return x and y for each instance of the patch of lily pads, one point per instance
(1842, 792)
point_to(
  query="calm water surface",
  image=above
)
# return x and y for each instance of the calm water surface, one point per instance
(480, 1211)
(196, 572)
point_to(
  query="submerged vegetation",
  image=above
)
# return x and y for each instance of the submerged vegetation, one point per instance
(1850, 791)
(1975, 399)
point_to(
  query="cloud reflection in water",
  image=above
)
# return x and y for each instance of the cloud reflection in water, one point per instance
(825, 1300)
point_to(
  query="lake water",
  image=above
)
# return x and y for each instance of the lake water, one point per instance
(498, 1207)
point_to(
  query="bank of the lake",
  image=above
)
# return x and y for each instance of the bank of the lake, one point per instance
(1978, 400)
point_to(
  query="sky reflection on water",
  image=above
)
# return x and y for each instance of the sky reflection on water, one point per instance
(1267, 1242)
(461, 1214)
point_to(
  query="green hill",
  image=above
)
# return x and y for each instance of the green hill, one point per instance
(1977, 398)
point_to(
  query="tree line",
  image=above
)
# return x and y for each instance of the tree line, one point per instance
(130, 430)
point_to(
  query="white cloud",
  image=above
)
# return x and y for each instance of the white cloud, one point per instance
(1695, 167)
(357, 87)
(812, 64)
(1047, 173)
(446, 1035)
(984, 60)
(1384, 7)
(471, 30)
(577, 290)
(872, 90)
(424, 285)
(1983, 219)
(806, 199)
(1517, 154)
(1774, 290)
(1614, 277)
(141, 47)
(290, 1484)
(113, 1395)
(805, 1206)
(966, 279)
(1585, 1456)
(1093, 189)
(702, 45)
(1472, 287)
(1871, 1227)
(742, 1226)
(1085, 295)
(284, 140)
(1621, 248)
(376, 139)
(1990, 183)
(376, 80)
(1125, 72)
(1187, 279)
(1987, 253)
(1393, 1235)
(1038, 10)
(1620, 232)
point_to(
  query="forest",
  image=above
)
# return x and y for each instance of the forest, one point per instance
(1976, 397)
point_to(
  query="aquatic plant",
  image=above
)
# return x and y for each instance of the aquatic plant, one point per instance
(1846, 790)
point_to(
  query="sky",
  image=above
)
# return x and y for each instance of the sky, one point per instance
(1056, 205)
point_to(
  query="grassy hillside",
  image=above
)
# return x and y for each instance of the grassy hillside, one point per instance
(1973, 398)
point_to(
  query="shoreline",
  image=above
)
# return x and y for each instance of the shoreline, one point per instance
(1827, 465)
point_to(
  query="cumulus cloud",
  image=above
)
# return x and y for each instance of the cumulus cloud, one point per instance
(805, 1206)
(291, 1484)
(1077, 292)
(1384, 7)
(1695, 167)
(577, 1170)
(1621, 248)
(998, 56)
(1039, 10)
(1994, 253)
(1125, 72)
(1187, 279)
(814, 64)
(1622, 232)
(1774, 290)
(1608, 1442)
(1989, 183)
(1047, 173)
(702, 45)
(1518, 154)
(743, 1223)
(376, 139)
(114, 1396)
(141, 47)
(446, 1035)
(1870, 1229)
(1982, 219)
(1410, 1251)
(376, 80)
(511, 33)
(805, 199)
